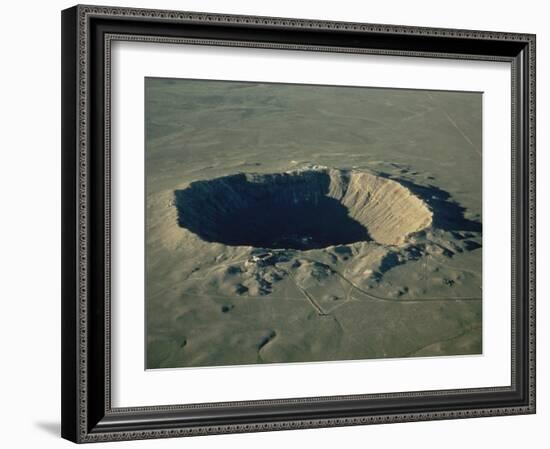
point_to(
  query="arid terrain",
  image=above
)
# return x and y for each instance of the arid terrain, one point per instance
(292, 223)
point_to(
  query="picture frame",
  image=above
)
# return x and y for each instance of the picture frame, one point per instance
(87, 411)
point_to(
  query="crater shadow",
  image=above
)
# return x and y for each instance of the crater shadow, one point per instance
(448, 215)
(276, 211)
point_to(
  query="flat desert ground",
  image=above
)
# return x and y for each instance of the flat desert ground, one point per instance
(292, 223)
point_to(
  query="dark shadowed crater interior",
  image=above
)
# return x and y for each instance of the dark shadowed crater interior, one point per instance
(283, 210)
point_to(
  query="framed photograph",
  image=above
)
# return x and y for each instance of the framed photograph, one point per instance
(275, 223)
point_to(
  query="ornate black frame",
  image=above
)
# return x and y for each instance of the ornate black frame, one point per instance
(87, 32)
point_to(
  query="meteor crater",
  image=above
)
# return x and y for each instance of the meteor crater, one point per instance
(302, 209)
